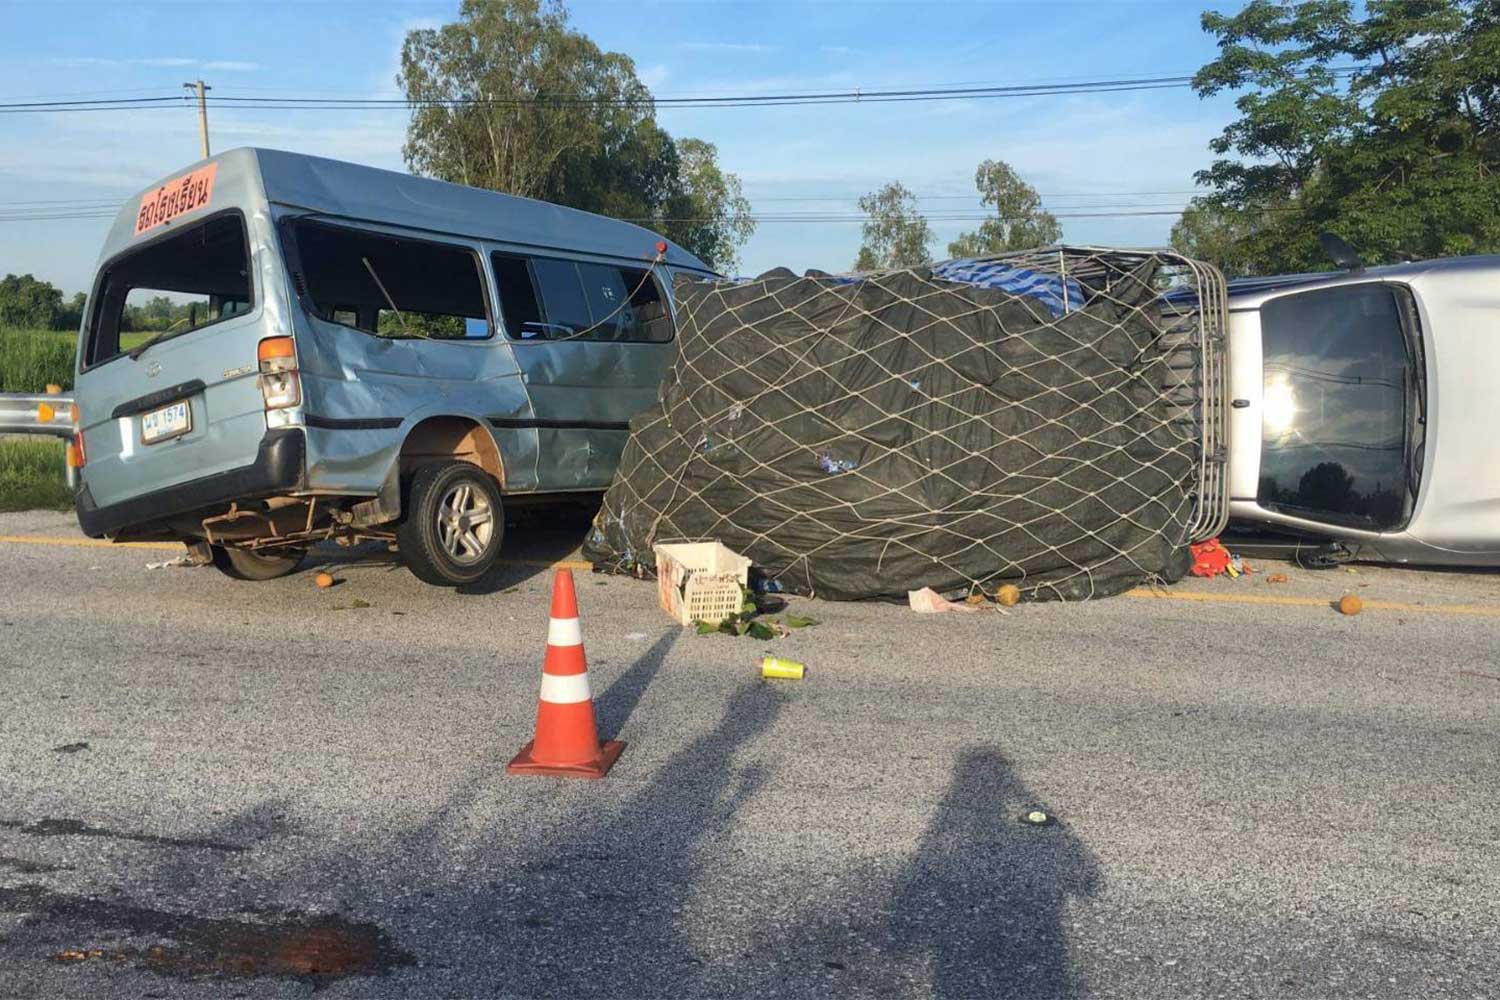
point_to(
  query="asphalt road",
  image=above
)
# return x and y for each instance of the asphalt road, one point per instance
(1256, 795)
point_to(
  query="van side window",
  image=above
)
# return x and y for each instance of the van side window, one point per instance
(391, 286)
(562, 298)
(547, 298)
(175, 285)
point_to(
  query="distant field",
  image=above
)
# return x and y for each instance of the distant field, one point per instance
(31, 359)
(31, 475)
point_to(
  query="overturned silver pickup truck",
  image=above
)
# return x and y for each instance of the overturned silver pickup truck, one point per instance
(1362, 410)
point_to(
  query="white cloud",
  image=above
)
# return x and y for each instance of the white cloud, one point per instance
(161, 62)
(653, 76)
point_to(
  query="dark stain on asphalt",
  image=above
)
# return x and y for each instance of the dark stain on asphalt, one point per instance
(319, 948)
(70, 748)
(50, 827)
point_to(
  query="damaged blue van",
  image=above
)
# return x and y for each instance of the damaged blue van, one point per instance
(365, 355)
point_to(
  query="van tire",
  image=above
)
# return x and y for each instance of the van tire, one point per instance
(443, 548)
(243, 564)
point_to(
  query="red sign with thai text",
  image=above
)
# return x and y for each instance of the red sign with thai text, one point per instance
(177, 196)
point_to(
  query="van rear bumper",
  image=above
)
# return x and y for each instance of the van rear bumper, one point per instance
(279, 467)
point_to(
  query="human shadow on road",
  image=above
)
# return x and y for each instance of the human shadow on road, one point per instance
(985, 897)
(978, 910)
(614, 706)
(604, 904)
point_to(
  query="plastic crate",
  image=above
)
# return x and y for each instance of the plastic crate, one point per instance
(700, 581)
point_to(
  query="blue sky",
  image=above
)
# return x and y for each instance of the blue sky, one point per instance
(1110, 152)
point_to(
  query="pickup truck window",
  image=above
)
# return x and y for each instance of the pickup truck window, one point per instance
(1338, 380)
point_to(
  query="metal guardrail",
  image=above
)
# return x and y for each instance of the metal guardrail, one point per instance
(36, 413)
(50, 414)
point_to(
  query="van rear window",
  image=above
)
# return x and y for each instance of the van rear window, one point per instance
(390, 286)
(171, 286)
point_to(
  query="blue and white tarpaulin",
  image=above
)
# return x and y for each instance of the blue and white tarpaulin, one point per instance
(1060, 295)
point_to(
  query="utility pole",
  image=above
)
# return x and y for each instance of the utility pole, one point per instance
(201, 88)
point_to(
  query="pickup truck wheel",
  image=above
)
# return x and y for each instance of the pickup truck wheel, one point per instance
(243, 564)
(453, 525)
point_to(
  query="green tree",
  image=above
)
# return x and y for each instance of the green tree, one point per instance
(896, 235)
(71, 316)
(1381, 124)
(708, 212)
(27, 302)
(1212, 232)
(510, 97)
(1019, 222)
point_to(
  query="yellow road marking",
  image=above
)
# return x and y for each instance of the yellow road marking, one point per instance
(1275, 600)
(88, 543)
(104, 543)
(1485, 611)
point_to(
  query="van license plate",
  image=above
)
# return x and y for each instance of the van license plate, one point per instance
(167, 422)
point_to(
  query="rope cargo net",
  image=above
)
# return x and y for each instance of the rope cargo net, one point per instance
(1052, 419)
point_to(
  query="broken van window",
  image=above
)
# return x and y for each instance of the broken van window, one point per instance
(171, 286)
(547, 298)
(388, 285)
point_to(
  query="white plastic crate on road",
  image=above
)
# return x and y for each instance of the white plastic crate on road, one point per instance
(700, 581)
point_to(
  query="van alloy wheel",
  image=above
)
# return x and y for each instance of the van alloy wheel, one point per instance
(453, 523)
(465, 523)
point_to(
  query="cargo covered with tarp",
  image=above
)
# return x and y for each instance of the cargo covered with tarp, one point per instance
(1037, 419)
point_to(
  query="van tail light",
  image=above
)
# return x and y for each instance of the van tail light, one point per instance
(280, 386)
(76, 454)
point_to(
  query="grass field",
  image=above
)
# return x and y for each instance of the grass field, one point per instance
(31, 475)
(30, 360)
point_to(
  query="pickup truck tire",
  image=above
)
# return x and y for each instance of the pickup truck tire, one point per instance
(243, 564)
(453, 523)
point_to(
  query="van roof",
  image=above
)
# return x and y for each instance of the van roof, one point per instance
(354, 191)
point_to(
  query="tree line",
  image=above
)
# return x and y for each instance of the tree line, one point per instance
(1378, 122)
(29, 304)
(897, 234)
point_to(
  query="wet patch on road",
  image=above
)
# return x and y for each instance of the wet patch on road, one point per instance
(319, 948)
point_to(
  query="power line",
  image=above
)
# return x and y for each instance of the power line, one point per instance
(856, 96)
(788, 217)
(117, 199)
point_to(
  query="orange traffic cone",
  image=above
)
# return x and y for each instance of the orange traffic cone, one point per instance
(567, 741)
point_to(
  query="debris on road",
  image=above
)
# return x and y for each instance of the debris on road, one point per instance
(1210, 558)
(323, 580)
(1037, 817)
(1476, 673)
(1278, 578)
(774, 668)
(929, 602)
(1008, 596)
(1350, 604)
(186, 559)
(746, 620)
(70, 748)
(701, 581)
